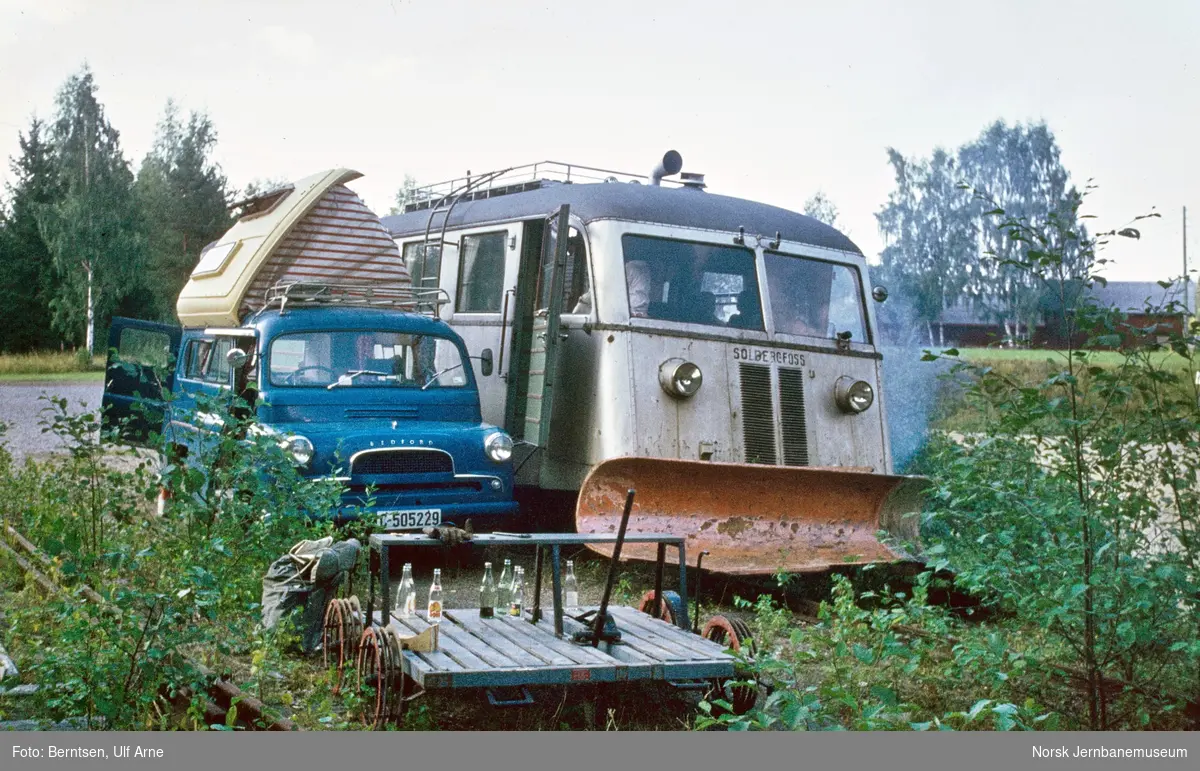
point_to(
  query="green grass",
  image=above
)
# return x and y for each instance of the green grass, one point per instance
(95, 376)
(50, 365)
(994, 356)
(1030, 366)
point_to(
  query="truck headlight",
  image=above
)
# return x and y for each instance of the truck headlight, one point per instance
(680, 378)
(498, 446)
(853, 396)
(300, 448)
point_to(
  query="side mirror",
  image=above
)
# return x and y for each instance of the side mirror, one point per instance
(879, 293)
(236, 358)
(485, 362)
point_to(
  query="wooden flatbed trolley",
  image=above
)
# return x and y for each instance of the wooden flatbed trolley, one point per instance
(512, 653)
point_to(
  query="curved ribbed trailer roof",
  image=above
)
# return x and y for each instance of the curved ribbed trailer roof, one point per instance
(682, 207)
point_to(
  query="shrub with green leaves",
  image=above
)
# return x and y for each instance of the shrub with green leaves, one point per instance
(177, 589)
(1078, 507)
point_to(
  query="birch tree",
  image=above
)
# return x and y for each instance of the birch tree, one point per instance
(93, 231)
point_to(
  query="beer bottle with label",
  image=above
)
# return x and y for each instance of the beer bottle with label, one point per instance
(516, 604)
(571, 588)
(406, 595)
(487, 593)
(504, 589)
(435, 597)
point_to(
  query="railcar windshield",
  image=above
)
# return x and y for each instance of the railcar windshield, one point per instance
(814, 298)
(358, 358)
(691, 282)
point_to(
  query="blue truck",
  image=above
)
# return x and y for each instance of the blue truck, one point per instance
(384, 401)
(359, 380)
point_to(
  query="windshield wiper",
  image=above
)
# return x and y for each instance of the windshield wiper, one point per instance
(348, 377)
(433, 379)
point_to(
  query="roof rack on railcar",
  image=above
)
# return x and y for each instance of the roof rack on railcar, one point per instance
(517, 179)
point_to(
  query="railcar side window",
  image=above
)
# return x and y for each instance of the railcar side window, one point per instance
(691, 282)
(577, 295)
(424, 264)
(481, 273)
(813, 298)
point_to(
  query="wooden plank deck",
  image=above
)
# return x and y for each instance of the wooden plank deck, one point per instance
(507, 651)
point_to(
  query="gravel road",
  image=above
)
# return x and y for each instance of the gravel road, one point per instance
(20, 411)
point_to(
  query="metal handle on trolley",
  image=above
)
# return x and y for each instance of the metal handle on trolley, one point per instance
(612, 571)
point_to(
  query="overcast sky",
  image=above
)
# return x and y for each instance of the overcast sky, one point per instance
(771, 101)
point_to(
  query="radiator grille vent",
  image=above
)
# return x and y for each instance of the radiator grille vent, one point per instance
(758, 414)
(403, 462)
(791, 408)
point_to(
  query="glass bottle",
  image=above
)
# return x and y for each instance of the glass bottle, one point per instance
(516, 603)
(504, 589)
(435, 597)
(487, 593)
(571, 588)
(406, 595)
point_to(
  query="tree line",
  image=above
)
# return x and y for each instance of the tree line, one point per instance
(84, 238)
(942, 246)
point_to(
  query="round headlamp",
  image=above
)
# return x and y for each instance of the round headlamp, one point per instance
(300, 448)
(498, 446)
(680, 378)
(853, 396)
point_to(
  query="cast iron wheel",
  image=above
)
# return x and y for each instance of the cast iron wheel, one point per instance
(340, 637)
(669, 610)
(377, 672)
(734, 634)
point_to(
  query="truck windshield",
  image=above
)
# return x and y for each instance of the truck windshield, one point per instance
(691, 282)
(365, 358)
(813, 298)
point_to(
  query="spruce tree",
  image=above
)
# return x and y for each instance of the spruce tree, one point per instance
(184, 200)
(26, 267)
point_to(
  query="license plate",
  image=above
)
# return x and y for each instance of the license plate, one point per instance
(410, 519)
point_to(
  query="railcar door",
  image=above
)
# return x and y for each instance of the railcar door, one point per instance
(139, 372)
(536, 337)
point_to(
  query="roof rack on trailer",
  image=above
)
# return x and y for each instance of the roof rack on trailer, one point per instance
(426, 301)
(518, 179)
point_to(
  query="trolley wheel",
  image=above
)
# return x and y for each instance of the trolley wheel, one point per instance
(378, 677)
(732, 633)
(669, 610)
(340, 637)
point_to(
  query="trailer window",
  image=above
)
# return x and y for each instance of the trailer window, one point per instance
(355, 358)
(481, 273)
(691, 282)
(813, 298)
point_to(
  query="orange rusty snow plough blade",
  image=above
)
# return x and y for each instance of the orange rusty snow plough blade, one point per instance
(753, 519)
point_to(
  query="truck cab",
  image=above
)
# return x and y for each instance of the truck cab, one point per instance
(383, 401)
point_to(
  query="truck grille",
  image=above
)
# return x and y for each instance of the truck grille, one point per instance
(403, 462)
(791, 409)
(758, 414)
